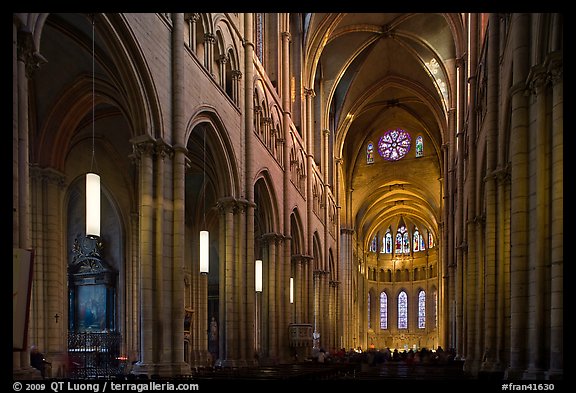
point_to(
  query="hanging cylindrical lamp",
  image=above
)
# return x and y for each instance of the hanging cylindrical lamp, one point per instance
(291, 290)
(92, 179)
(92, 204)
(258, 275)
(204, 253)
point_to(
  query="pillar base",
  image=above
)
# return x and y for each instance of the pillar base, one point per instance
(472, 366)
(26, 373)
(491, 370)
(555, 374)
(201, 359)
(513, 373)
(161, 369)
(534, 374)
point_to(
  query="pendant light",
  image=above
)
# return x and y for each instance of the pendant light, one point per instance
(258, 275)
(92, 178)
(204, 234)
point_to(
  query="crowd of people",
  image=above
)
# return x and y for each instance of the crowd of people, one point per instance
(375, 356)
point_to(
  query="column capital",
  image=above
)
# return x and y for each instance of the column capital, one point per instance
(48, 175)
(309, 92)
(209, 38)
(162, 149)
(537, 79)
(26, 52)
(286, 35)
(236, 74)
(222, 59)
(554, 65)
(142, 145)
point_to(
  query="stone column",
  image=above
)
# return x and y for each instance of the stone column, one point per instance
(209, 41)
(539, 247)
(557, 218)
(222, 60)
(458, 233)
(178, 155)
(243, 291)
(236, 77)
(249, 162)
(143, 152)
(48, 325)
(192, 21)
(519, 194)
(229, 328)
(492, 230)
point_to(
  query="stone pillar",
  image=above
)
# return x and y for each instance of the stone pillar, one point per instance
(540, 244)
(458, 233)
(229, 328)
(209, 41)
(143, 152)
(492, 231)
(556, 369)
(519, 194)
(222, 60)
(48, 325)
(236, 77)
(178, 155)
(249, 162)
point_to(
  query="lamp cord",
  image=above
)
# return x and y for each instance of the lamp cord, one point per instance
(204, 180)
(93, 101)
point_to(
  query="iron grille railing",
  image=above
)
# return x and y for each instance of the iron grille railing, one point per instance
(94, 354)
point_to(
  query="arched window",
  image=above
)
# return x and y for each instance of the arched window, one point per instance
(422, 243)
(435, 308)
(419, 146)
(402, 310)
(383, 310)
(387, 243)
(374, 244)
(260, 36)
(402, 241)
(394, 144)
(416, 240)
(421, 310)
(368, 304)
(406, 243)
(370, 153)
(430, 240)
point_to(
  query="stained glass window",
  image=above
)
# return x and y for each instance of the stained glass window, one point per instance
(402, 310)
(260, 36)
(402, 241)
(369, 310)
(430, 240)
(406, 243)
(435, 308)
(374, 244)
(387, 243)
(370, 153)
(419, 146)
(422, 243)
(416, 240)
(383, 310)
(394, 144)
(421, 310)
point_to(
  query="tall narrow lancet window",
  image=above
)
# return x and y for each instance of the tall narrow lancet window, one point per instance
(383, 310)
(370, 153)
(421, 310)
(388, 242)
(368, 305)
(405, 242)
(260, 36)
(374, 244)
(419, 146)
(422, 242)
(398, 247)
(402, 310)
(430, 240)
(416, 240)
